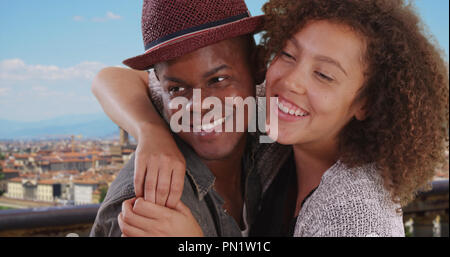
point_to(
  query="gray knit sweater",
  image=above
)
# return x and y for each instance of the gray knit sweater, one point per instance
(350, 203)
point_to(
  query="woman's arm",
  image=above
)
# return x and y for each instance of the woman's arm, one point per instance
(159, 165)
(124, 96)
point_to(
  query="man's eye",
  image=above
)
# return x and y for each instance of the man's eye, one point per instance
(175, 90)
(217, 80)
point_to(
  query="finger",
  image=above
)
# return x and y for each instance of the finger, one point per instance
(121, 224)
(176, 187)
(151, 210)
(163, 184)
(129, 202)
(139, 176)
(134, 219)
(127, 208)
(129, 230)
(151, 179)
(181, 207)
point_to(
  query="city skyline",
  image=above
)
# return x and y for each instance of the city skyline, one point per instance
(51, 51)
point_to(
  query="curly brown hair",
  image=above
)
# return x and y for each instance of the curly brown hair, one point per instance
(406, 87)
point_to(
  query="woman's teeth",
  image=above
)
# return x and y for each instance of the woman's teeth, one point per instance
(292, 110)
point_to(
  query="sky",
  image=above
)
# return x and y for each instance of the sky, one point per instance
(50, 50)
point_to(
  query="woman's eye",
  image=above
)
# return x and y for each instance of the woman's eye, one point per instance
(323, 76)
(287, 55)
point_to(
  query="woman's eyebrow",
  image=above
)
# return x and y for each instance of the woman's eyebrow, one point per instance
(294, 41)
(331, 61)
(321, 58)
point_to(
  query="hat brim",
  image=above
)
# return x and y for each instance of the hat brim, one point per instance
(191, 43)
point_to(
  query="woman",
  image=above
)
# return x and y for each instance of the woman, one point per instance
(363, 99)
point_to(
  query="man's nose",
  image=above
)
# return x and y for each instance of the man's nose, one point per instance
(196, 102)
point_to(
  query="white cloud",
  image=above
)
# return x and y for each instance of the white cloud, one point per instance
(78, 18)
(18, 70)
(109, 16)
(39, 88)
(4, 91)
(11, 64)
(45, 92)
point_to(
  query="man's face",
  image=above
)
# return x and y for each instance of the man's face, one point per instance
(220, 70)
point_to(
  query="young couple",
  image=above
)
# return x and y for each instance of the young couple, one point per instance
(362, 120)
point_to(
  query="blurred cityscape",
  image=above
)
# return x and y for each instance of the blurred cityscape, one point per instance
(54, 187)
(68, 171)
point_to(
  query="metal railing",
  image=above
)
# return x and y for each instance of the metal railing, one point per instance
(48, 221)
(60, 221)
(427, 215)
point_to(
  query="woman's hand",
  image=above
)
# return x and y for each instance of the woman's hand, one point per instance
(159, 167)
(124, 94)
(140, 218)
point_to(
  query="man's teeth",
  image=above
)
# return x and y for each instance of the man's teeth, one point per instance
(291, 111)
(212, 125)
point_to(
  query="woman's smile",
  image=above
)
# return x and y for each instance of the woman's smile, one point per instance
(288, 111)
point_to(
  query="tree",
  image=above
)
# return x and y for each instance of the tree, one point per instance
(103, 191)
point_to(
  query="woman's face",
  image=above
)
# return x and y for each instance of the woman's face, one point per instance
(316, 79)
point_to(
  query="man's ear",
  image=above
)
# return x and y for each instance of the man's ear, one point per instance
(258, 64)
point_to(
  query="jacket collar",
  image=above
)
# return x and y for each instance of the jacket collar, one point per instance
(202, 178)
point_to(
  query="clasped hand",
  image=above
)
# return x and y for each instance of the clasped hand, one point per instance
(140, 218)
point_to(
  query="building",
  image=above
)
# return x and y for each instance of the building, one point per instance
(34, 189)
(10, 173)
(15, 188)
(83, 191)
(87, 185)
(29, 189)
(71, 164)
(48, 190)
(7, 175)
(123, 137)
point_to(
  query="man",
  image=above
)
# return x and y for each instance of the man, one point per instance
(203, 45)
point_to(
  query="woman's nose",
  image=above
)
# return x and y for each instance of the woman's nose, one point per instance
(294, 81)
